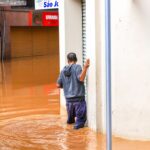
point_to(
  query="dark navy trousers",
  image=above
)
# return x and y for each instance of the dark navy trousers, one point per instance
(78, 110)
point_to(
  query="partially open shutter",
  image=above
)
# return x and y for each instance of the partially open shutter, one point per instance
(84, 29)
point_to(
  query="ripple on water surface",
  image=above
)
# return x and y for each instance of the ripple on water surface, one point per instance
(44, 132)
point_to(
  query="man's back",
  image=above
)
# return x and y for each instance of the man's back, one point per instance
(70, 82)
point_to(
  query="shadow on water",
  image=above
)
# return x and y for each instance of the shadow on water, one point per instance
(30, 111)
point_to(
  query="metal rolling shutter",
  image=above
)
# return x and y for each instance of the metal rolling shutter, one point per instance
(84, 38)
(84, 29)
(36, 41)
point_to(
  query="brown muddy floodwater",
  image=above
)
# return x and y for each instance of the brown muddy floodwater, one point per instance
(30, 116)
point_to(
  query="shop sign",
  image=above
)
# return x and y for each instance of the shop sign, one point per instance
(50, 18)
(46, 4)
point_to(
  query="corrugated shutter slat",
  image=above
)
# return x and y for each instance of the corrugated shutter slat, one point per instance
(84, 37)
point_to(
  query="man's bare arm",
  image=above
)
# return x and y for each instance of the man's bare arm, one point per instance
(85, 68)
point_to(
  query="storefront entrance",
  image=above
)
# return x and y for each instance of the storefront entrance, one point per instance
(34, 41)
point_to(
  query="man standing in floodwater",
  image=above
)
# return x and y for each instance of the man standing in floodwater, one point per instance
(71, 79)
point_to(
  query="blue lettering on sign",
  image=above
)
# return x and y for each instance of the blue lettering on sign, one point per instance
(56, 4)
(50, 4)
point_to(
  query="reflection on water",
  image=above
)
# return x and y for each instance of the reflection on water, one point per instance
(30, 113)
(28, 87)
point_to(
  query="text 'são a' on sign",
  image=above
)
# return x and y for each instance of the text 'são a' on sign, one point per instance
(46, 4)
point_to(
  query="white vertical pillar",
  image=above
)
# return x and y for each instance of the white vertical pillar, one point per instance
(91, 53)
(95, 33)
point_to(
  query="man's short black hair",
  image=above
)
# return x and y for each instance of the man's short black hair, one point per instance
(72, 57)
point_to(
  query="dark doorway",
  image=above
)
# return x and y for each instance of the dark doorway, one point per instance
(30, 3)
